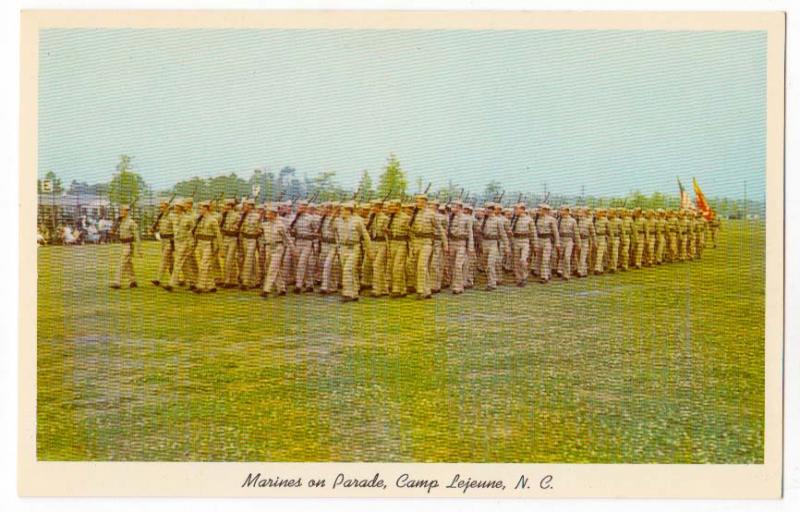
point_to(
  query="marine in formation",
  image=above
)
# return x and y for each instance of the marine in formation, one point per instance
(389, 248)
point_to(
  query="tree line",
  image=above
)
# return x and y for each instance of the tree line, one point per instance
(127, 186)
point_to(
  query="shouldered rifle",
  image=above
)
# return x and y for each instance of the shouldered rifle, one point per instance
(416, 208)
(161, 214)
(514, 215)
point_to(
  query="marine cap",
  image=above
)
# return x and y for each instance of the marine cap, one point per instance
(376, 202)
(521, 205)
(420, 196)
(468, 206)
(230, 201)
(204, 204)
(164, 202)
(250, 202)
(457, 202)
(302, 202)
(349, 205)
(544, 206)
(125, 207)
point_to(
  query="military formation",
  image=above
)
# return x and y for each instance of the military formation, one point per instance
(395, 249)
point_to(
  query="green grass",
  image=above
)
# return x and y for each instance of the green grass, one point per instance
(662, 365)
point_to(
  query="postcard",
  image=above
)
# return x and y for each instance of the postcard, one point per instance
(401, 254)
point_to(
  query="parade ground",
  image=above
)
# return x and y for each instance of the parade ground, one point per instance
(660, 365)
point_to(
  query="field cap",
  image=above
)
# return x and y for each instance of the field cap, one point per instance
(467, 206)
(376, 202)
(302, 202)
(521, 205)
(544, 206)
(230, 201)
(125, 207)
(251, 202)
(564, 208)
(206, 204)
(349, 205)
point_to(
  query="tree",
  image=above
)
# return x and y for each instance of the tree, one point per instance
(56, 181)
(365, 186)
(393, 179)
(492, 191)
(126, 186)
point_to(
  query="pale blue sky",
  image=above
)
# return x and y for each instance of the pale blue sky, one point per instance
(611, 110)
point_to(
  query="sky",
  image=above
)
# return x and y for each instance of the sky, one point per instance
(608, 111)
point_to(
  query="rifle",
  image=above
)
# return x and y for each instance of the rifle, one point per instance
(161, 214)
(416, 208)
(514, 216)
(500, 199)
(372, 215)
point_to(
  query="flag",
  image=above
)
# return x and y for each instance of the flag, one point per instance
(685, 202)
(702, 203)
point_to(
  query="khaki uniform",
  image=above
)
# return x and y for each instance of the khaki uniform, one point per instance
(523, 232)
(378, 255)
(462, 243)
(184, 251)
(684, 235)
(351, 236)
(588, 237)
(166, 231)
(639, 240)
(216, 266)
(276, 243)
(651, 233)
(507, 262)
(568, 234)
(547, 240)
(661, 239)
(398, 251)
(331, 268)
(715, 225)
(208, 236)
(425, 224)
(626, 235)
(700, 228)
(601, 230)
(493, 233)
(672, 227)
(250, 231)
(438, 256)
(230, 247)
(128, 233)
(615, 241)
(304, 233)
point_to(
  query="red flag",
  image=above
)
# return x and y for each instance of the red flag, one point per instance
(685, 202)
(702, 203)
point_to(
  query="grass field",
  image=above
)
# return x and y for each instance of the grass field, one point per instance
(660, 365)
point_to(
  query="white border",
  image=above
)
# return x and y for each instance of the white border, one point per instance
(9, 40)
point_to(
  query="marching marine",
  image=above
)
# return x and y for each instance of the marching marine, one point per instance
(588, 240)
(548, 239)
(128, 233)
(567, 234)
(249, 229)
(422, 226)
(207, 235)
(164, 227)
(494, 244)
(230, 244)
(351, 235)
(523, 232)
(276, 242)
